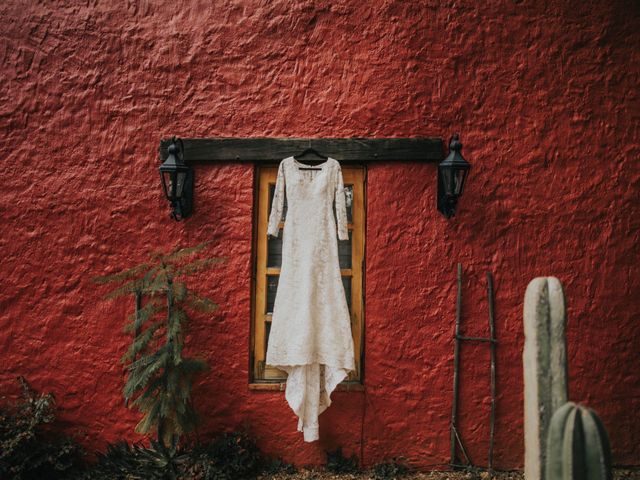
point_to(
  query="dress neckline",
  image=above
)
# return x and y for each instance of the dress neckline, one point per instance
(300, 164)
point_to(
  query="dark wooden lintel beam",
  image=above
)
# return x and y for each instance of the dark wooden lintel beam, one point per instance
(270, 150)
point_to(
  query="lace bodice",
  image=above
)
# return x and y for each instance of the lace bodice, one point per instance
(300, 180)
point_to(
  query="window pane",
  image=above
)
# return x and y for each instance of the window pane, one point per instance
(348, 193)
(272, 287)
(274, 251)
(348, 196)
(267, 332)
(271, 373)
(344, 252)
(272, 188)
(346, 282)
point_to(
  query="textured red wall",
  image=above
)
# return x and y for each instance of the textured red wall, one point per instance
(544, 95)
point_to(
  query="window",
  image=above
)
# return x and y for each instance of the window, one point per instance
(268, 257)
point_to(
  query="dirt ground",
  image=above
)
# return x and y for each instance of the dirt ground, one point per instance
(319, 474)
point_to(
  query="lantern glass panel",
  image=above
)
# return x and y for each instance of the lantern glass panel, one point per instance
(458, 181)
(446, 180)
(166, 184)
(182, 176)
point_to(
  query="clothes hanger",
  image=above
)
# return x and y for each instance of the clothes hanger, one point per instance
(315, 152)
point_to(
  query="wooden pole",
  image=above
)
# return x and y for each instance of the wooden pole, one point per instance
(492, 346)
(136, 330)
(456, 362)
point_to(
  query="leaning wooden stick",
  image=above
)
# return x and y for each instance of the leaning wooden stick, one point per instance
(492, 344)
(456, 360)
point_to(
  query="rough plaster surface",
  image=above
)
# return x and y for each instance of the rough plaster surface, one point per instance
(544, 94)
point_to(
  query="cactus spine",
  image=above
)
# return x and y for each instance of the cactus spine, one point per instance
(545, 367)
(577, 445)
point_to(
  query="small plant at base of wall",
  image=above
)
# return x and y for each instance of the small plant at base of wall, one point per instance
(338, 463)
(29, 447)
(391, 470)
(228, 456)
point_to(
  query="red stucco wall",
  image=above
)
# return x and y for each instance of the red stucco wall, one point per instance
(544, 95)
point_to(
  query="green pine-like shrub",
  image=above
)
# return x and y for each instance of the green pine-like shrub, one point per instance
(160, 377)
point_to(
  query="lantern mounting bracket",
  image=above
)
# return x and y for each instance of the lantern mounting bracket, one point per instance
(264, 151)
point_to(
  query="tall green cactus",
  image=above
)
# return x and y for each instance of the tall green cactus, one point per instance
(545, 368)
(577, 445)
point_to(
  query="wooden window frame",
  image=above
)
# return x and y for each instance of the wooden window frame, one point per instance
(265, 176)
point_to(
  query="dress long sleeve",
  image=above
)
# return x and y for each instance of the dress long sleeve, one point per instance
(277, 204)
(341, 206)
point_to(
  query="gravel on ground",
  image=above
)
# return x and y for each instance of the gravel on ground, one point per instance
(321, 474)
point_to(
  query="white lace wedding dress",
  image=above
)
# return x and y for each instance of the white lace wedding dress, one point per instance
(310, 335)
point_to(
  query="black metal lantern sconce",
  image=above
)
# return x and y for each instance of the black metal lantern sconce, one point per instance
(452, 174)
(177, 180)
